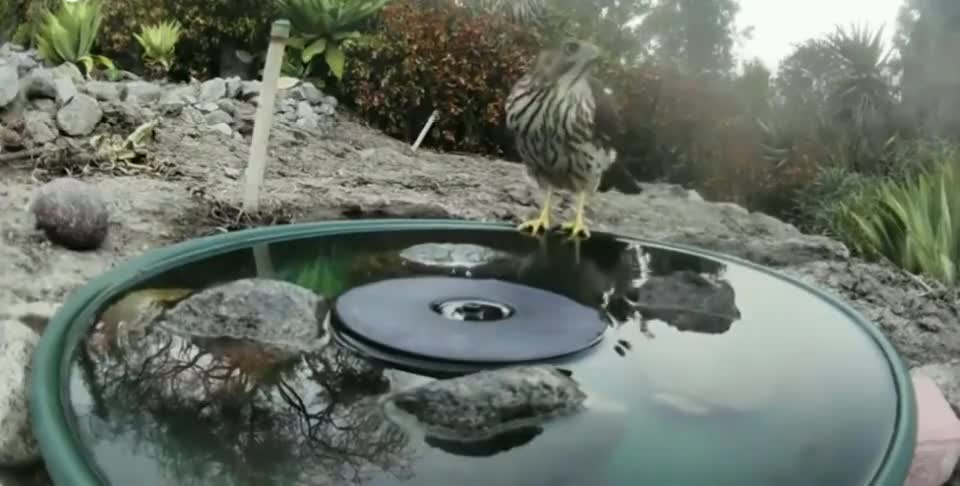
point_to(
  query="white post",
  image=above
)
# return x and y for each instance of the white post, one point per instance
(256, 166)
(426, 128)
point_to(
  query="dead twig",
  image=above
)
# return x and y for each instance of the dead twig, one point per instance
(23, 154)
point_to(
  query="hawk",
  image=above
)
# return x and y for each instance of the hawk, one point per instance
(565, 124)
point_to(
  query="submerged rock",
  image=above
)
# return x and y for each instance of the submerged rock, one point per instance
(72, 214)
(451, 256)
(17, 444)
(266, 311)
(482, 405)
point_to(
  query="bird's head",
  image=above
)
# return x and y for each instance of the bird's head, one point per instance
(570, 60)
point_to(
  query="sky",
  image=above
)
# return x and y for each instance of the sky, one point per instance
(778, 24)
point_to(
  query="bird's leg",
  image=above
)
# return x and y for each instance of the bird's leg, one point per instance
(543, 221)
(578, 227)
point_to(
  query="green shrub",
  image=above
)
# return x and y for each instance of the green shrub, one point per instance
(159, 43)
(320, 27)
(69, 34)
(207, 26)
(432, 55)
(29, 17)
(915, 223)
(8, 20)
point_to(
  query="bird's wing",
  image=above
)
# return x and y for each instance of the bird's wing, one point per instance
(608, 127)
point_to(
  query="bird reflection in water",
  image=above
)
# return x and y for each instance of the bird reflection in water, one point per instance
(632, 283)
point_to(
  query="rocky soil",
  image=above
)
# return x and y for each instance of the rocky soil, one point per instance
(167, 161)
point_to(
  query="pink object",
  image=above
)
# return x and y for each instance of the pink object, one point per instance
(938, 436)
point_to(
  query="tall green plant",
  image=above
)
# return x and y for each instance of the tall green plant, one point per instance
(321, 27)
(68, 35)
(915, 223)
(159, 43)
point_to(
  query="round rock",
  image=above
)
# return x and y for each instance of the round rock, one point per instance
(72, 214)
(468, 320)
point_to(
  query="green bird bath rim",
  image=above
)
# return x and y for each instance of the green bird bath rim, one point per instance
(68, 462)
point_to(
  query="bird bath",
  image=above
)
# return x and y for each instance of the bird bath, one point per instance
(694, 368)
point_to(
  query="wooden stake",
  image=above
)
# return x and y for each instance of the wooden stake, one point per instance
(426, 128)
(256, 166)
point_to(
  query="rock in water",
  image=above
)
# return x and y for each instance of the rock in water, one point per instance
(80, 116)
(72, 214)
(17, 444)
(9, 84)
(266, 311)
(482, 405)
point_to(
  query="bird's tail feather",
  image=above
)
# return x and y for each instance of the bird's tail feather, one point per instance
(618, 177)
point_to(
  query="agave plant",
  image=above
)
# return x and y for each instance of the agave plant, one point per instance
(68, 35)
(322, 26)
(159, 43)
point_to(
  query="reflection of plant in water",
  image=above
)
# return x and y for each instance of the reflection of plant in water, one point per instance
(203, 417)
(327, 273)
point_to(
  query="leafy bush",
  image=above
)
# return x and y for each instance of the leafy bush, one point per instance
(320, 27)
(69, 35)
(159, 43)
(432, 55)
(207, 26)
(8, 20)
(914, 223)
(28, 16)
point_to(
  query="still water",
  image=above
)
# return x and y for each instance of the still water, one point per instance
(708, 374)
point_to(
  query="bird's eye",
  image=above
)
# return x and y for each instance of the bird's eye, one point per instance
(571, 48)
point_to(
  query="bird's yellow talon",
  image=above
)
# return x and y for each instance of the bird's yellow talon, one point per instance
(543, 221)
(535, 226)
(577, 229)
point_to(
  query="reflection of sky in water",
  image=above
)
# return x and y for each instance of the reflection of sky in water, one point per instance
(785, 392)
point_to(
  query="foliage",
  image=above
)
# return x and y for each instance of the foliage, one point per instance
(696, 36)
(915, 223)
(320, 27)
(8, 20)
(28, 15)
(927, 42)
(432, 55)
(68, 35)
(208, 27)
(159, 42)
(326, 275)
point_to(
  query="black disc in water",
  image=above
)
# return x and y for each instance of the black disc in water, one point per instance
(468, 321)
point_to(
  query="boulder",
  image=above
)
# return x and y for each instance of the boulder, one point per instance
(213, 90)
(80, 116)
(41, 128)
(272, 312)
(485, 404)
(9, 83)
(72, 214)
(18, 447)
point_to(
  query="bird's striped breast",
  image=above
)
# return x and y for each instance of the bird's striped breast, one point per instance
(554, 133)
